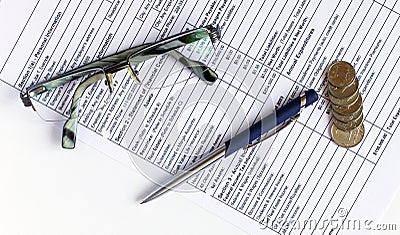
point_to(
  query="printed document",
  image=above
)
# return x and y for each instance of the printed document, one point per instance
(299, 180)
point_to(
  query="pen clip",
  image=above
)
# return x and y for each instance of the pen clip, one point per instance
(276, 130)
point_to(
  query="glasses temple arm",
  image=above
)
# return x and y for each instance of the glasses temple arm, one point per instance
(200, 69)
(70, 126)
(169, 45)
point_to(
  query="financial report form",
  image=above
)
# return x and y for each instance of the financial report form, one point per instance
(269, 52)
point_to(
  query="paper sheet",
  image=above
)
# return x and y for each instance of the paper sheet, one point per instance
(270, 51)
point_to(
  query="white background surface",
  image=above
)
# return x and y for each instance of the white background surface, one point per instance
(47, 190)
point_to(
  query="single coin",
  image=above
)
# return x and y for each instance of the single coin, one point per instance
(346, 101)
(345, 91)
(351, 108)
(346, 126)
(341, 74)
(347, 118)
(347, 138)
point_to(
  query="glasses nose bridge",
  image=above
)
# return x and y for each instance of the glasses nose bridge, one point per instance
(116, 67)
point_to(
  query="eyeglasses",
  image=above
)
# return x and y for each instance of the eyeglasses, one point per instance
(40, 94)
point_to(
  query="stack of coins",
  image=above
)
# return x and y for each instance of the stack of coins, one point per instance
(348, 128)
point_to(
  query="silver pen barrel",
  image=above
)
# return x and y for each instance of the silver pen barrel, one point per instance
(185, 174)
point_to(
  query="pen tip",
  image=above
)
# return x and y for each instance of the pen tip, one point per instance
(144, 201)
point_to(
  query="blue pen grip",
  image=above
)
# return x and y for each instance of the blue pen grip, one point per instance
(269, 122)
(293, 107)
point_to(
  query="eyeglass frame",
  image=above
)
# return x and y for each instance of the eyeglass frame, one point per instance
(109, 65)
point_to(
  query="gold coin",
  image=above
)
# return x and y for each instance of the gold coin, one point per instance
(345, 91)
(346, 126)
(347, 138)
(347, 118)
(346, 101)
(341, 74)
(351, 108)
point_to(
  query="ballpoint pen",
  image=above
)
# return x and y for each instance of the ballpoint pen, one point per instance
(253, 135)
